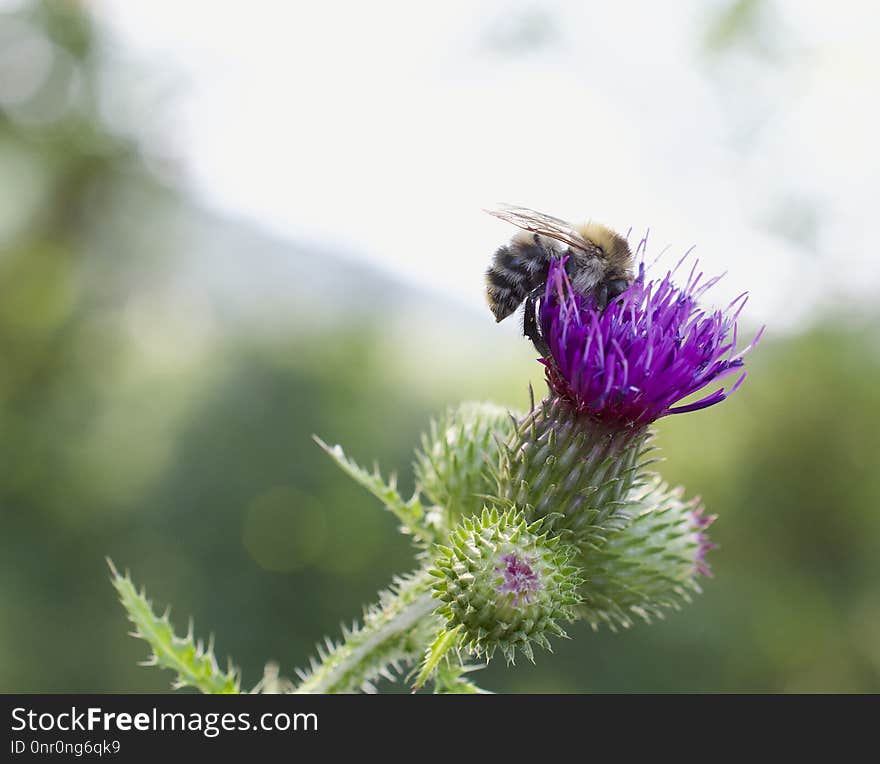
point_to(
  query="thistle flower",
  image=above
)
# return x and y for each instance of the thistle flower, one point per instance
(578, 457)
(579, 527)
(652, 563)
(504, 584)
(454, 466)
(629, 364)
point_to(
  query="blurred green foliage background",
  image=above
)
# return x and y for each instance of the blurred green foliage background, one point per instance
(144, 416)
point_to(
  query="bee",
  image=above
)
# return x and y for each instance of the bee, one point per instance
(599, 265)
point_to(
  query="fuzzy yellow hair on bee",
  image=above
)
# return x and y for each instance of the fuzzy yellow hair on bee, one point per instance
(615, 247)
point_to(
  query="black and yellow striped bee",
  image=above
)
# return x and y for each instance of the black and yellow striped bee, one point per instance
(599, 264)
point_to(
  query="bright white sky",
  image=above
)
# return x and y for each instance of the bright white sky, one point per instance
(384, 127)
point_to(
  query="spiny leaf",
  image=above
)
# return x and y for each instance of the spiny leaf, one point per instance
(411, 514)
(194, 663)
(445, 641)
(450, 679)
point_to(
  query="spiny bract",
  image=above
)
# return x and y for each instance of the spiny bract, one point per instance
(505, 585)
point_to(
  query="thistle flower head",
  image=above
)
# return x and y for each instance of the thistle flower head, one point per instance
(629, 364)
(504, 584)
(453, 467)
(651, 564)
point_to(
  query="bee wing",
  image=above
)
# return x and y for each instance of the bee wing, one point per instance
(546, 225)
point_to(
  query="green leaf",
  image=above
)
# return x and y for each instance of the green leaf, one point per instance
(450, 679)
(412, 516)
(446, 640)
(193, 662)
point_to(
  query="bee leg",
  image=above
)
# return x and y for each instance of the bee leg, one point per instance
(601, 294)
(531, 328)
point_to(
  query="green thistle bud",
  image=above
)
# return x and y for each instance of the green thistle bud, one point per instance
(504, 586)
(455, 466)
(573, 471)
(650, 565)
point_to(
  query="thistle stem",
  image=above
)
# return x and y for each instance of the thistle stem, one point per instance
(393, 633)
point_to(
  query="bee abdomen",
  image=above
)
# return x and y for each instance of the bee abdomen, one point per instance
(517, 269)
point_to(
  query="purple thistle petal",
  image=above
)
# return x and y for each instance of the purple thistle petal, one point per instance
(703, 403)
(700, 523)
(653, 346)
(520, 579)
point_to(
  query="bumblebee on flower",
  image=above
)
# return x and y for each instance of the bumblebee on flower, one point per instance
(525, 522)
